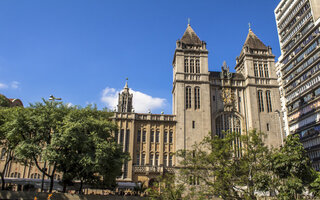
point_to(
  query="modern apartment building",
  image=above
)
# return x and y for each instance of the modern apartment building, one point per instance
(298, 23)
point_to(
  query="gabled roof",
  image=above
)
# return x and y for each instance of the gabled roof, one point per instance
(254, 42)
(190, 37)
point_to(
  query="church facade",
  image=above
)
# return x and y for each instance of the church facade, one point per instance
(204, 102)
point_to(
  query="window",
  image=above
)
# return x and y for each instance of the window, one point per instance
(197, 98)
(197, 66)
(144, 136)
(116, 133)
(139, 136)
(256, 70)
(143, 158)
(125, 170)
(170, 161)
(170, 137)
(152, 136)
(193, 124)
(157, 136)
(186, 65)
(165, 160)
(261, 70)
(260, 101)
(138, 159)
(121, 136)
(188, 97)
(156, 161)
(3, 153)
(193, 180)
(151, 159)
(266, 71)
(126, 148)
(165, 136)
(192, 65)
(268, 97)
(213, 98)
(268, 127)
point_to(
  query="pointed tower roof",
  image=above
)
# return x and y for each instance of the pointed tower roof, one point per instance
(126, 88)
(190, 37)
(254, 42)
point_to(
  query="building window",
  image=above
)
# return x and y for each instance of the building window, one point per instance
(151, 159)
(193, 124)
(165, 160)
(143, 159)
(116, 133)
(126, 148)
(139, 136)
(138, 159)
(156, 161)
(266, 71)
(170, 137)
(193, 180)
(170, 161)
(268, 127)
(188, 97)
(261, 70)
(268, 97)
(186, 65)
(144, 136)
(121, 136)
(213, 98)
(165, 136)
(192, 65)
(256, 70)
(152, 136)
(157, 136)
(125, 170)
(3, 153)
(197, 66)
(197, 98)
(260, 101)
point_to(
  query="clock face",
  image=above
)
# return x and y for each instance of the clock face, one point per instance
(227, 96)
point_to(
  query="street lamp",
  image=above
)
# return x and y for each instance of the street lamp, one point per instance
(279, 114)
(52, 98)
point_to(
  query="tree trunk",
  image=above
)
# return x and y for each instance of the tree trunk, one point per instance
(52, 178)
(2, 174)
(64, 187)
(2, 181)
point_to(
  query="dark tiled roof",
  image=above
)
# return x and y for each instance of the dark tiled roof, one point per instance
(254, 42)
(215, 74)
(237, 76)
(190, 37)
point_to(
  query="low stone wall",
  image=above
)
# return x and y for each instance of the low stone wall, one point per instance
(61, 196)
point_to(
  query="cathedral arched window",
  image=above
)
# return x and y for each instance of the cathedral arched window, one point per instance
(260, 101)
(186, 65)
(230, 123)
(266, 71)
(191, 65)
(197, 97)
(188, 97)
(197, 66)
(268, 98)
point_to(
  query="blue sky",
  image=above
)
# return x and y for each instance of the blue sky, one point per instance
(82, 50)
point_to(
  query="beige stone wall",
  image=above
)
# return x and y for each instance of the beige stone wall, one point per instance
(315, 7)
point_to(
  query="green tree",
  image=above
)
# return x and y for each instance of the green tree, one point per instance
(293, 169)
(4, 101)
(315, 185)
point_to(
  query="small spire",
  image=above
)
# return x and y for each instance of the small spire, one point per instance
(249, 26)
(188, 21)
(126, 86)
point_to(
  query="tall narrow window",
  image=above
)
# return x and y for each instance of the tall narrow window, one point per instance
(191, 65)
(170, 161)
(156, 161)
(151, 159)
(266, 71)
(121, 136)
(138, 159)
(152, 136)
(188, 97)
(143, 159)
(170, 137)
(256, 70)
(165, 160)
(165, 136)
(186, 65)
(144, 136)
(126, 148)
(261, 70)
(193, 124)
(197, 66)
(116, 135)
(157, 136)
(260, 101)
(197, 98)
(125, 170)
(268, 97)
(139, 136)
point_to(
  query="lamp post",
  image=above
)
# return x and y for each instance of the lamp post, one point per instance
(52, 98)
(279, 114)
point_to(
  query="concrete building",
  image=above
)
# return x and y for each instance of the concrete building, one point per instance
(204, 102)
(298, 23)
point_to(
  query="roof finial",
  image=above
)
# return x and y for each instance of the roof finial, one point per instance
(126, 86)
(188, 21)
(249, 26)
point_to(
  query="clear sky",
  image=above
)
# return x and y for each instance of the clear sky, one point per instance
(83, 50)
